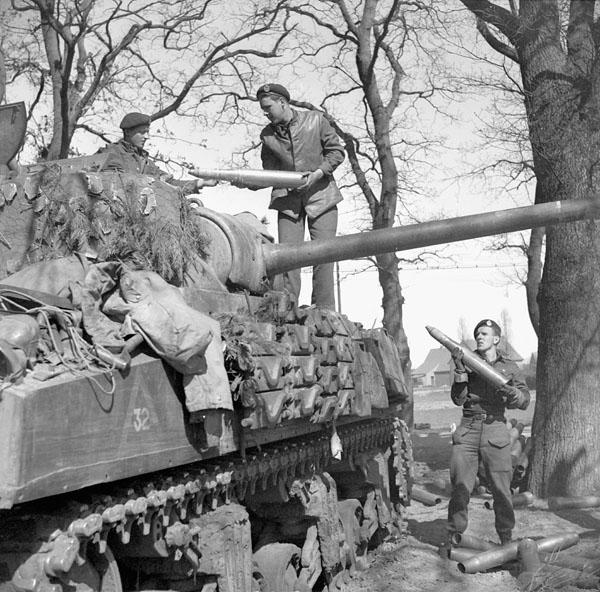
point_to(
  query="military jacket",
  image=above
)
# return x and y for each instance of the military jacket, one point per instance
(124, 157)
(307, 143)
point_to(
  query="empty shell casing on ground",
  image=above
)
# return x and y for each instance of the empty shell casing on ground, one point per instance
(429, 499)
(582, 501)
(528, 555)
(461, 553)
(495, 557)
(470, 541)
(525, 498)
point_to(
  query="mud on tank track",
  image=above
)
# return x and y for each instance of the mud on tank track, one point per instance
(308, 518)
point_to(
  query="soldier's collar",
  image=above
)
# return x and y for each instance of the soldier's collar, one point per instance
(500, 356)
(131, 148)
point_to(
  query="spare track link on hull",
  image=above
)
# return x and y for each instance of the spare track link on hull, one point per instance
(169, 501)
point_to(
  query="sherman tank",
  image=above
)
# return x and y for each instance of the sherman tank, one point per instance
(169, 419)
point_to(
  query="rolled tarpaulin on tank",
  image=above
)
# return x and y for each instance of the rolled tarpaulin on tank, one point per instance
(501, 555)
(471, 360)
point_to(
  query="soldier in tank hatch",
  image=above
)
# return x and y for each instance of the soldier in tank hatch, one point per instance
(482, 435)
(129, 155)
(305, 142)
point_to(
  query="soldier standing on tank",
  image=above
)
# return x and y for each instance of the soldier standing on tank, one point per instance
(482, 435)
(302, 141)
(128, 154)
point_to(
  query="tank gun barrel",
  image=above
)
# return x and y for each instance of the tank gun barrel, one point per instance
(284, 257)
(252, 178)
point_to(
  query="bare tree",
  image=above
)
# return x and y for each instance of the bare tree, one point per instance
(151, 51)
(555, 45)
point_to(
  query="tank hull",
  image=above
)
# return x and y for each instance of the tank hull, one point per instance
(139, 428)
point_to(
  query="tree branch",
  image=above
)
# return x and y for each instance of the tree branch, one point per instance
(209, 62)
(93, 131)
(379, 37)
(495, 43)
(350, 23)
(505, 21)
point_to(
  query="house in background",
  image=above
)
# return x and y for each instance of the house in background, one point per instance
(437, 369)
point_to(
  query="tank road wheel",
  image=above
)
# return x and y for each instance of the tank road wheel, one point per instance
(277, 564)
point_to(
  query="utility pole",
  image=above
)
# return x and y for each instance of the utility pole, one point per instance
(339, 290)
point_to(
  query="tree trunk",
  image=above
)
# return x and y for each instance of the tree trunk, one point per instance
(561, 81)
(565, 136)
(392, 303)
(534, 275)
(566, 458)
(2, 78)
(55, 63)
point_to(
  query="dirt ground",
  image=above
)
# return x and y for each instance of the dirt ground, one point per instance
(413, 563)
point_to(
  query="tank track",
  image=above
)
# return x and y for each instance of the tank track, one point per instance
(164, 502)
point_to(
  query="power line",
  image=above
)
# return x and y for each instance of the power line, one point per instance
(432, 268)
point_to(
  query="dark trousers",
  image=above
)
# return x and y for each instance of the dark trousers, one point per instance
(472, 442)
(292, 231)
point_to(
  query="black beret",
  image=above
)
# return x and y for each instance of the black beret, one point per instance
(133, 120)
(488, 323)
(277, 89)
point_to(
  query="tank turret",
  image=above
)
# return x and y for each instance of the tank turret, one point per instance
(174, 422)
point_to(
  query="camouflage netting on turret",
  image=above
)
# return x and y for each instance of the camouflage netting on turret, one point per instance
(61, 208)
